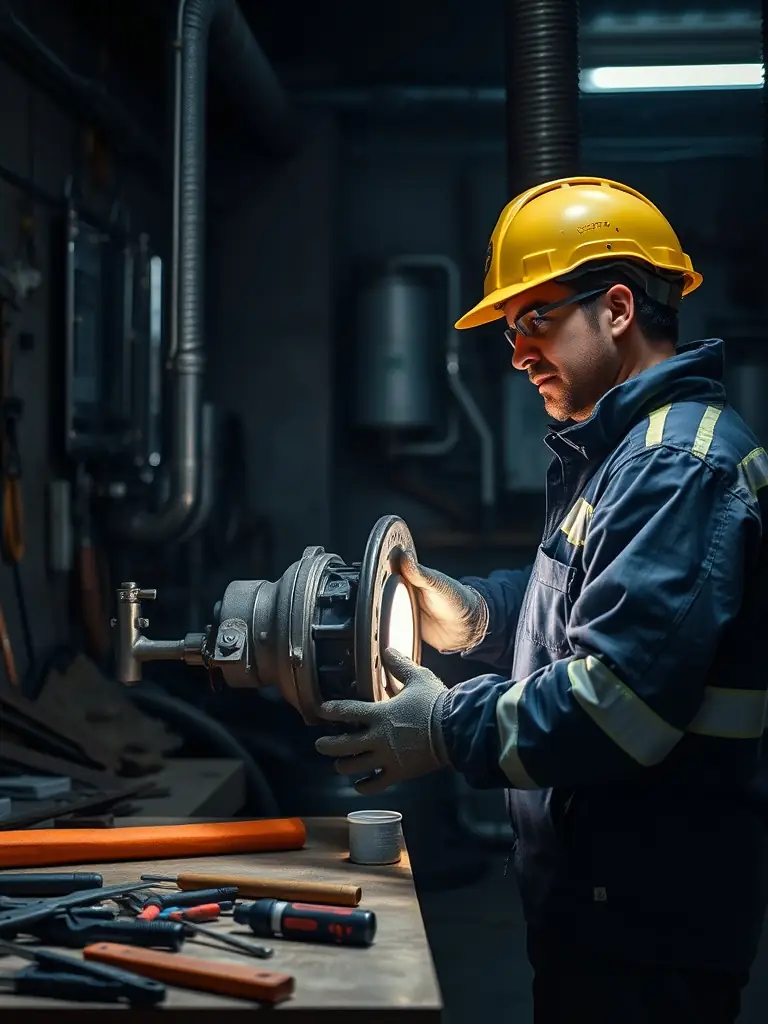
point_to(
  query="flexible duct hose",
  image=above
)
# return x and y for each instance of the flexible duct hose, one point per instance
(542, 80)
(191, 722)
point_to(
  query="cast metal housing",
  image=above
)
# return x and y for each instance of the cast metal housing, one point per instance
(317, 633)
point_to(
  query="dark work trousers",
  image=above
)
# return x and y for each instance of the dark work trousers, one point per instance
(618, 994)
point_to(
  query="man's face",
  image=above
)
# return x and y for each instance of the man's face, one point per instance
(570, 361)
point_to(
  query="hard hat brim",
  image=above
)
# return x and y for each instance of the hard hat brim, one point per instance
(490, 308)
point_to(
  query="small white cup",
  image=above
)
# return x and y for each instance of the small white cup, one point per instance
(375, 837)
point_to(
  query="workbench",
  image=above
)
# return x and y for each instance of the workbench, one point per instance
(374, 985)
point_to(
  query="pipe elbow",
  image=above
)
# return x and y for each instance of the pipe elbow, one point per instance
(167, 524)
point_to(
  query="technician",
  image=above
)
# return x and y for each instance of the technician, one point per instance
(626, 719)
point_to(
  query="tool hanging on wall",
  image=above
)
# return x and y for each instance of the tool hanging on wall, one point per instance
(6, 648)
(92, 607)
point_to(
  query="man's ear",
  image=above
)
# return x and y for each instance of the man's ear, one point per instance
(620, 302)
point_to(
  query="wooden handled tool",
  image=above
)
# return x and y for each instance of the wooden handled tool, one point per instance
(252, 887)
(226, 979)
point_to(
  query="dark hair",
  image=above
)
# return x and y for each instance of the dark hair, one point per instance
(657, 321)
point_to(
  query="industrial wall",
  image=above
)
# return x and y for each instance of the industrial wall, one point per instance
(45, 145)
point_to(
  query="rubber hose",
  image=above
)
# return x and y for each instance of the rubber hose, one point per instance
(192, 722)
(542, 81)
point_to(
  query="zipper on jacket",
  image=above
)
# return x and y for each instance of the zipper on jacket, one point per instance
(576, 447)
(552, 509)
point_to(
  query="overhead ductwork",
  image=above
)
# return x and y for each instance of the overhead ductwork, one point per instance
(219, 29)
(542, 83)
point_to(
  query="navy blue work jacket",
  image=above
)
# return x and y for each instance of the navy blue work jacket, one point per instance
(627, 717)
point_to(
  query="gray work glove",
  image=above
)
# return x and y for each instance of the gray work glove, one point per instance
(454, 617)
(401, 738)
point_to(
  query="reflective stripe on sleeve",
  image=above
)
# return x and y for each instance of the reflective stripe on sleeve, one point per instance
(576, 523)
(620, 713)
(508, 726)
(754, 470)
(644, 735)
(656, 421)
(731, 714)
(706, 432)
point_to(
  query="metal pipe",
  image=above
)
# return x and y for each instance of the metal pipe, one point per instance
(542, 81)
(456, 383)
(266, 115)
(208, 456)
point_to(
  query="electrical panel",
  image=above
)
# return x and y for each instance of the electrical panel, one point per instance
(114, 336)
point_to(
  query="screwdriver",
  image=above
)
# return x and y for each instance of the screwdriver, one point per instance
(308, 922)
(241, 945)
(48, 883)
(205, 912)
(252, 887)
(159, 901)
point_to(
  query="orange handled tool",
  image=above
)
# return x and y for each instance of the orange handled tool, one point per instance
(205, 912)
(46, 847)
(226, 979)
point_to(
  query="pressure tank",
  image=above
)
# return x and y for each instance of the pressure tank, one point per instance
(396, 336)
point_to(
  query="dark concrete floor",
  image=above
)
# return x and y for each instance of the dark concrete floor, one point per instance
(477, 937)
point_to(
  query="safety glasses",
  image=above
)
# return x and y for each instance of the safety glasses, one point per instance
(527, 324)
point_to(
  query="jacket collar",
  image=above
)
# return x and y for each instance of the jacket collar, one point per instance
(693, 374)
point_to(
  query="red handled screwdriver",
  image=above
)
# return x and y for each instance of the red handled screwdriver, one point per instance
(308, 922)
(205, 912)
(159, 901)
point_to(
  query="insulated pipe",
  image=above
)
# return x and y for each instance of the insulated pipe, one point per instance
(265, 114)
(542, 82)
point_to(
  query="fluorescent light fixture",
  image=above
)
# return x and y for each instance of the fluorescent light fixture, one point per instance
(672, 77)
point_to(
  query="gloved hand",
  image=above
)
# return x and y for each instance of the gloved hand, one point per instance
(401, 738)
(454, 617)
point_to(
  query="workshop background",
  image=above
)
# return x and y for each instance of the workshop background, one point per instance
(378, 140)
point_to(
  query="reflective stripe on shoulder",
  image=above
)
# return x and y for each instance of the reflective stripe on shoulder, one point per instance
(754, 470)
(656, 421)
(620, 713)
(706, 432)
(644, 735)
(731, 714)
(508, 727)
(576, 523)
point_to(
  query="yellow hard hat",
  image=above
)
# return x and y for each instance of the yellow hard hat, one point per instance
(554, 228)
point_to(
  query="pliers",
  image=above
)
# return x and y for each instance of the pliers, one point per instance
(16, 915)
(57, 976)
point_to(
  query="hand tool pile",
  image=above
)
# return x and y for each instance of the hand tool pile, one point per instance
(130, 951)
